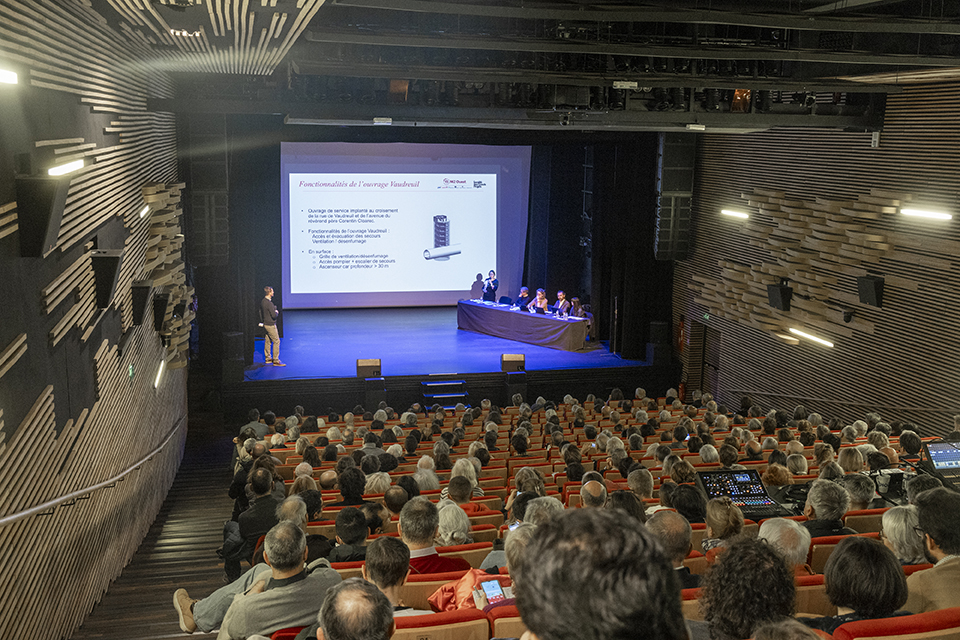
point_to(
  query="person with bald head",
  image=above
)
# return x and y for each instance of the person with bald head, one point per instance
(674, 533)
(328, 480)
(593, 495)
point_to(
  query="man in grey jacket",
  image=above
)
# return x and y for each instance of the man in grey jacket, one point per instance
(279, 594)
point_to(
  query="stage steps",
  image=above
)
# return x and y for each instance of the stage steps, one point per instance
(444, 390)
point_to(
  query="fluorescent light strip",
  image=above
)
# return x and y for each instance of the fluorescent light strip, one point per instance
(810, 337)
(156, 383)
(920, 213)
(8, 77)
(735, 214)
(145, 210)
(65, 168)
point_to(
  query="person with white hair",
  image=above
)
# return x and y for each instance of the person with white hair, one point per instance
(791, 540)
(380, 415)
(770, 444)
(815, 420)
(709, 454)
(302, 469)
(464, 467)
(333, 433)
(540, 510)
(348, 419)
(797, 464)
(277, 440)
(293, 432)
(395, 450)
(425, 475)
(827, 502)
(898, 532)
(454, 527)
(377, 483)
(862, 426)
(665, 416)
(640, 393)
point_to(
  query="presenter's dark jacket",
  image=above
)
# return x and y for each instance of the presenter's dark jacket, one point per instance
(268, 312)
(490, 291)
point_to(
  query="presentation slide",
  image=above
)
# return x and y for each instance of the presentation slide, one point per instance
(400, 224)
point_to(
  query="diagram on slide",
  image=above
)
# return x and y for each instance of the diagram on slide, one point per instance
(442, 249)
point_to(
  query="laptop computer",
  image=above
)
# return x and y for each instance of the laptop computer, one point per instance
(746, 491)
(944, 456)
(540, 310)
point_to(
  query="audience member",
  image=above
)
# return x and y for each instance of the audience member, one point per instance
(919, 484)
(593, 494)
(674, 533)
(689, 502)
(899, 533)
(539, 510)
(394, 499)
(352, 483)
(724, 522)
(353, 610)
(240, 538)
(625, 501)
(827, 503)
(791, 540)
(572, 580)
(749, 585)
(864, 581)
(938, 516)
(418, 527)
(453, 526)
(283, 594)
(352, 531)
(861, 490)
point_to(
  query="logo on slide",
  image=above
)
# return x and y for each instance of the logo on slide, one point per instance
(451, 183)
(479, 184)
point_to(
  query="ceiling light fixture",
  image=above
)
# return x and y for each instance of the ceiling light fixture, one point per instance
(921, 213)
(145, 210)
(64, 169)
(797, 332)
(8, 77)
(735, 214)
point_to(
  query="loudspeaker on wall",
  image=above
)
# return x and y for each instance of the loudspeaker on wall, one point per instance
(779, 296)
(870, 289)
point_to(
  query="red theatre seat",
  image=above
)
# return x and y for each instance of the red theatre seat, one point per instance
(942, 625)
(463, 624)
(286, 634)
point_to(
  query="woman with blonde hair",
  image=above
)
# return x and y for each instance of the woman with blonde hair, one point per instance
(303, 483)
(850, 460)
(302, 443)
(724, 521)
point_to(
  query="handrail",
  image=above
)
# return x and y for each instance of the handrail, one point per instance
(74, 495)
(895, 407)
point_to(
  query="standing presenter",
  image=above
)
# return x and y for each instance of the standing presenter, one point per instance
(268, 320)
(490, 286)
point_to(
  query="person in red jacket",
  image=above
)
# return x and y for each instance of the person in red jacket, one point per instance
(419, 522)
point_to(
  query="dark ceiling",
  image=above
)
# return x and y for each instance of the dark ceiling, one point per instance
(738, 65)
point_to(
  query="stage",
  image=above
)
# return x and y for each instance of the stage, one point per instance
(408, 342)
(414, 345)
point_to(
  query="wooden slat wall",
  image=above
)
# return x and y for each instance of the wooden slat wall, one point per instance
(227, 36)
(823, 210)
(55, 567)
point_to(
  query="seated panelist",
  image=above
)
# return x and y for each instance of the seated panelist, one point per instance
(524, 298)
(563, 305)
(540, 302)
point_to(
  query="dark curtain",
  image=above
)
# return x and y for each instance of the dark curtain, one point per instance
(625, 272)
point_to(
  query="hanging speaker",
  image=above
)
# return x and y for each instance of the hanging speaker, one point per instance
(779, 296)
(870, 289)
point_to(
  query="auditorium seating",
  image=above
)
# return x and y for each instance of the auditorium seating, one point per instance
(419, 587)
(286, 634)
(821, 548)
(941, 625)
(463, 624)
(505, 622)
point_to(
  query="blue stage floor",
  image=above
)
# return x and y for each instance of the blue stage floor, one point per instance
(408, 341)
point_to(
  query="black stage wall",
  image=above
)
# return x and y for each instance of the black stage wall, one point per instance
(622, 261)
